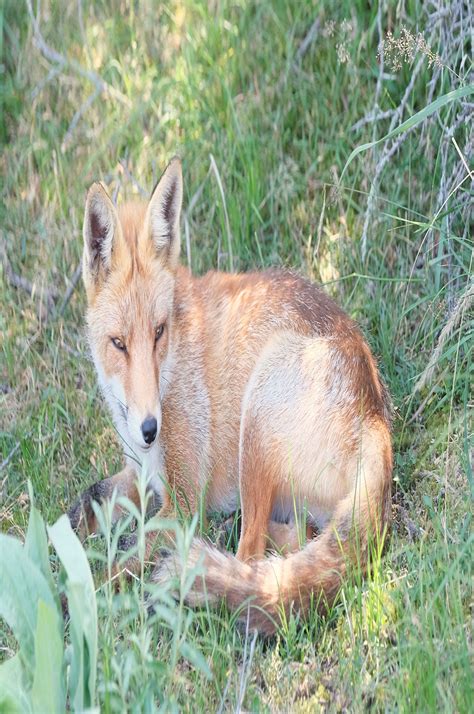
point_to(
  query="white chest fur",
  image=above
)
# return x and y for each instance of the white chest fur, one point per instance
(151, 465)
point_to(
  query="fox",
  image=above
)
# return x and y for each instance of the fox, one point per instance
(253, 390)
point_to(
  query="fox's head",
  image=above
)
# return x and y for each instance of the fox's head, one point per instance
(129, 268)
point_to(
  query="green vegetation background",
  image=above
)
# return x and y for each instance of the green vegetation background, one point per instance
(260, 103)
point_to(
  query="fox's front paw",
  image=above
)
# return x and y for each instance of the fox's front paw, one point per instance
(81, 514)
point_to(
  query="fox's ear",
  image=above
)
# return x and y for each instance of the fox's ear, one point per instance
(100, 224)
(164, 211)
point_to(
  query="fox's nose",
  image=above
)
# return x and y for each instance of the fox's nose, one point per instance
(149, 429)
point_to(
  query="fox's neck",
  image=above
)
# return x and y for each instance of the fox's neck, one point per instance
(184, 318)
(188, 306)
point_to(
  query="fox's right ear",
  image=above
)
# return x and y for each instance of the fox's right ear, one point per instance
(100, 225)
(164, 212)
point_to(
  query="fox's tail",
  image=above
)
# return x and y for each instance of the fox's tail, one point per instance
(265, 591)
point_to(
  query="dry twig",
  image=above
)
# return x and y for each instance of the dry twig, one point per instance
(307, 41)
(45, 309)
(131, 177)
(304, 46)
(70, 289)
(62, 62)
(11, 454)
(53, 55)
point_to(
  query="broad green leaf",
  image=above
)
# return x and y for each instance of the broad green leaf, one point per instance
(23, 585)
(13, 697)
(413, 120)
(196, 658)
(36, 544)
(165, 613)
(82, 611)
(47, 694)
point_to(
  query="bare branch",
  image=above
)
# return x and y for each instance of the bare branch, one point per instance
(21, 283)
(304, 46)
(307, 41)
(462, 157)
(12, 453)
(52, 74)
(70, 290)
(378, 88)
(387, 152)
(53, 55)
(131, 177)
(78, 116)
(373, 116)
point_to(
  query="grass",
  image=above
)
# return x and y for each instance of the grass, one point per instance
(225, 80)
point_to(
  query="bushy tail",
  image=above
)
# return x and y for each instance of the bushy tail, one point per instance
(265, 591)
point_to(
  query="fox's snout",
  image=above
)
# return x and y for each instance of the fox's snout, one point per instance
(149, 429)
(144, 426)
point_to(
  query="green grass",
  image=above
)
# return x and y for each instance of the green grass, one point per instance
(221, 78)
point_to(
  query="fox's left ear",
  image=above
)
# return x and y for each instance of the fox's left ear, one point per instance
(164, 211)
(100, 228)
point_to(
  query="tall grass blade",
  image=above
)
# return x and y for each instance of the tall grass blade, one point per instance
(413, 121)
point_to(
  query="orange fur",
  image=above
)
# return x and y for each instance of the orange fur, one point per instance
(264, 392)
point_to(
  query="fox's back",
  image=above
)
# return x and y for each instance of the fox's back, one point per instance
(240, 313)
(227, 321)
(273, 298)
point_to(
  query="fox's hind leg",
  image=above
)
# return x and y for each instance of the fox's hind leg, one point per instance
(257, 492)
(259, 481)
(282, 538)
(280, 404)
(285, 538)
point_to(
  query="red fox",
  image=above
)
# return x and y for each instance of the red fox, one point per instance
(253, 389)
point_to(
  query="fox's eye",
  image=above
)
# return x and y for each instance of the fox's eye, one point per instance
(159, 332)
(118, 344)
